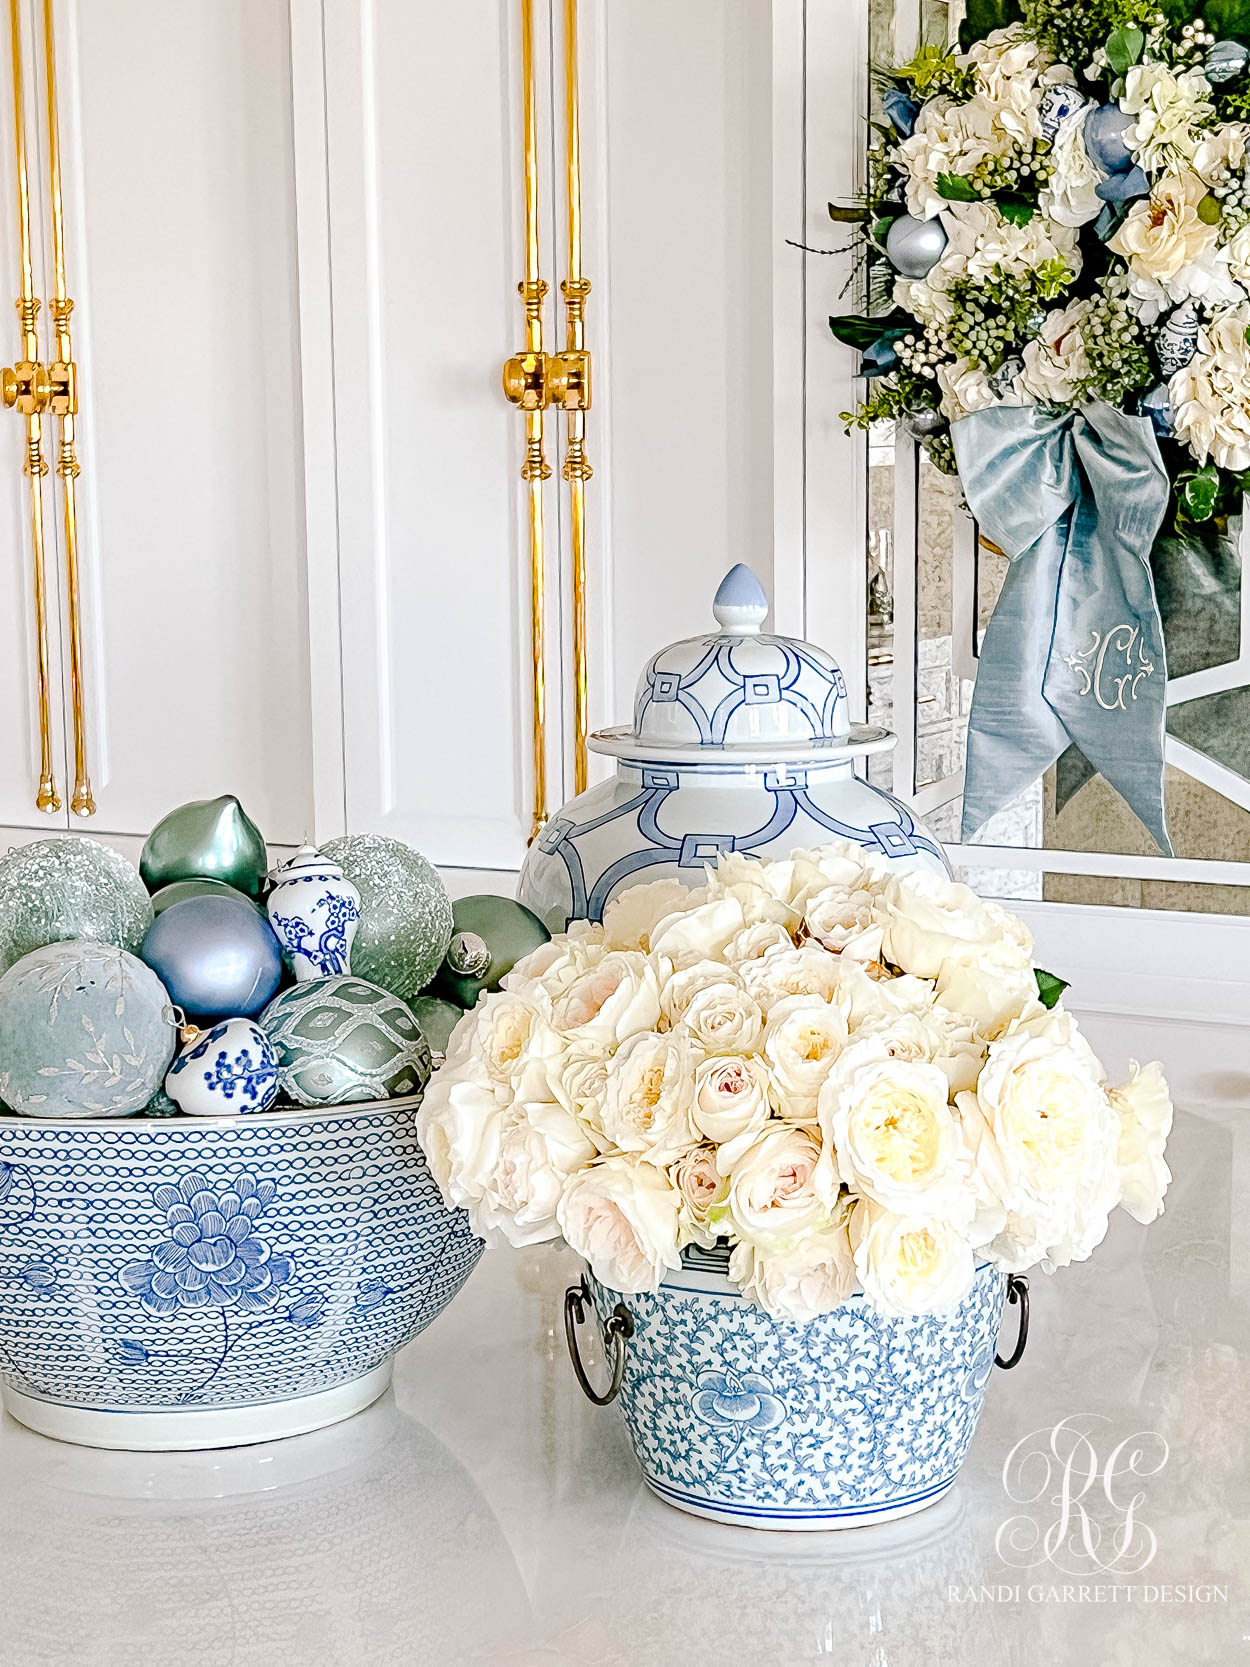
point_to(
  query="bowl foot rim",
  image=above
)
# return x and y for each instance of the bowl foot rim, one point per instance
(157, 1430)
(813, 1522)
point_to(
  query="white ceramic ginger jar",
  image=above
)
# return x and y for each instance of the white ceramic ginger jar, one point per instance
(741, 741)
(314, 910)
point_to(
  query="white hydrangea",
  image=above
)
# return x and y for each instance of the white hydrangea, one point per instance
(1211, 394)
(1172, 112)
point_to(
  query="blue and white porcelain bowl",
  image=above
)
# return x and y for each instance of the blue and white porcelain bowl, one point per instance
(741, 741)
(174, 1284)
(849, 1419)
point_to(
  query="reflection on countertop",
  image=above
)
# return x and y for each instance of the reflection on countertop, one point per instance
(486, 1513)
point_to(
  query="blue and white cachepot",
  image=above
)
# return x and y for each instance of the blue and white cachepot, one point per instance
(741, 741)
(211, 1282)
(849, 1419)
(314, 910)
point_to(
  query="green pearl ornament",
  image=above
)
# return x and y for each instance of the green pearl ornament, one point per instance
(209, 839)
(179, 890)
(70, 887)
(437, 1018)
(489, 935)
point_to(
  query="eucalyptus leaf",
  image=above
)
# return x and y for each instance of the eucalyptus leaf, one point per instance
(982, 17)
(1049, 987)
(856, 330)
(956, 189)
(1124, 48)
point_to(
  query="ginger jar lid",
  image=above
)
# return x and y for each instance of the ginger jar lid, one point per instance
(741, 695)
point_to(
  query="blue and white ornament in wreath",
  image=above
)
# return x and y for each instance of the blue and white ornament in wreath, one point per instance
(314, 910)
(227, 1070)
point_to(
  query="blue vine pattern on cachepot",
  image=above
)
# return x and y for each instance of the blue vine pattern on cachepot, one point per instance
(848, 1419)
(217, 1263)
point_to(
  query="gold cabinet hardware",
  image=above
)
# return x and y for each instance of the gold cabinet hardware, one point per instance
(536, 381)
(24, 387)
(37, 390)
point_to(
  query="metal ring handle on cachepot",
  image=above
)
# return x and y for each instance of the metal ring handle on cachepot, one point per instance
(618, 1328)
(1017, 1292)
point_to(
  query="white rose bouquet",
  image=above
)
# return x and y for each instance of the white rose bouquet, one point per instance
(854, 1078)
(1058, 212)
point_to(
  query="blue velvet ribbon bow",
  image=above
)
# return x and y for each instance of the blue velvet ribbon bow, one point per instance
(1074, 651)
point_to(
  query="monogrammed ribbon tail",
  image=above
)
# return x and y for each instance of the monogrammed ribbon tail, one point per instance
(1074, 651)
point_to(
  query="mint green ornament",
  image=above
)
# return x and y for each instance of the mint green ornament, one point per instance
(179, 890)
(209, 839)
(437, 1018)
(341, 1039)
(53, 890)
(405, 913)
(489, 936)
(86, 1030)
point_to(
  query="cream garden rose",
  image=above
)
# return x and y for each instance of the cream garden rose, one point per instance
(731, 1104)
(540, 1145)
(612, 1001)
(1144, 1108)
(929, 920)
(648, 1097)
(1173, 253)
(805, 1035)
(701, 1187)
(723, 1018)
(893, 1134)
(802, 1280)
(776, 1189)
(624, 1217)
(910, 1264)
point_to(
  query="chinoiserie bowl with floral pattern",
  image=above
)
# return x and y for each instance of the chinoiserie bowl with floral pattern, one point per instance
(848, 1419)
(207, 1282)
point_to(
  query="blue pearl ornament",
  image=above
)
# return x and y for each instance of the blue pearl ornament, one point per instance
(216, 956)
(913, 246)
(1105, 144)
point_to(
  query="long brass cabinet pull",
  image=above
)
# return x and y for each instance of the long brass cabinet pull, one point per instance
(37, 390)
(535, 380)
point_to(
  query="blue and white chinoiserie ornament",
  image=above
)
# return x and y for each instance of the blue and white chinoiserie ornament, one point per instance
(231, 1068)
(741, 741)
(314, 910)
(1058, 103)
(1177, 339)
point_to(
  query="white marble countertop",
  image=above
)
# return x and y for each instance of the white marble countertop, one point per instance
(485, 1512)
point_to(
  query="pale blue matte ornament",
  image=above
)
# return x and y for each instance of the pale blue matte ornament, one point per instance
(86, 1030)
(217, 956)
(1105, 144)
(915, 246)
(1225, 61)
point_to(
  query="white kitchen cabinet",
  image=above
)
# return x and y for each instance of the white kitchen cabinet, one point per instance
(177, 134)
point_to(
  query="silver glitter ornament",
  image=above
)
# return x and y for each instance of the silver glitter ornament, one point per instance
(405, 913)
(54, 890)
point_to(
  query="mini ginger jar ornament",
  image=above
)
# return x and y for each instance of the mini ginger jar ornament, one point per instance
(741, 741)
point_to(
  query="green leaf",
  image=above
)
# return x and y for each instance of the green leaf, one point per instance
(856, 330)
(853, 216)
(1049, 988)
(1209, 210)
(956, 189)
(1228, 19)
(1200, 491)
(982, 17)
(1016, 209)
(1124, 48)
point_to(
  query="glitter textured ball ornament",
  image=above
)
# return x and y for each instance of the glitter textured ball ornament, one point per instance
(437, 1018)
(86, 1030)
(489, 935)
(217, 956)
(341, 1039)
(210, 839)
(54, 890)
(230, 1068)
(913, 246)
(405, 913)
(179, 890)
(1225, 61)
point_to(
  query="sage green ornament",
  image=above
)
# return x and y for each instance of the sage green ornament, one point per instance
(489, 936)
(86, 1030)
(54, 890)
(179, 890)
(341, 1039)
(209, 839)
(437, 1018)
(405, 913)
